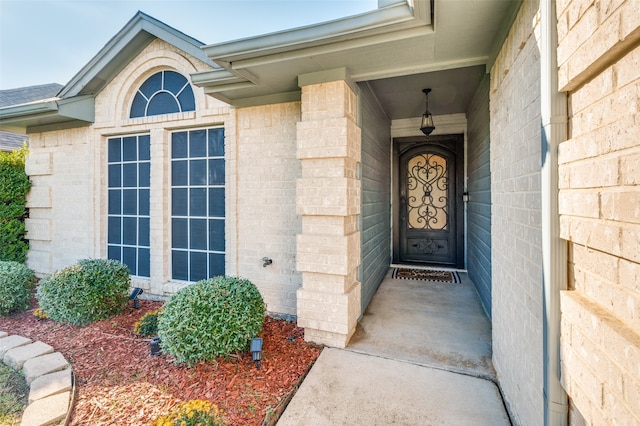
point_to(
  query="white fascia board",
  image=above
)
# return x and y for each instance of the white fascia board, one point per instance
(80, 109)
(331, 47)
(33, 108)
(219, 76)
(344, 29)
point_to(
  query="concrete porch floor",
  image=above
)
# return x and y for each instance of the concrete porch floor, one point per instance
(421, 355)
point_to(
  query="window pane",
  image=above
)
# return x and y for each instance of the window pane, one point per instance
(216, 202)
(113, 252)
(179, 233)
(216, 172)
(115, 201)
(130, 201)
(216, 264)
(186, 99)
(130, 175)
(129, 230)
(128, 198)
(162, 103)
(197, 143)
(152, 84)
(198, 233)
(130, 148)
(144, 143)
(216, 235)
(179, 265)
(174, 82)
(143, 262)
(179, 201)
(115, 180)
(143, 200)
(198, 172)
(198, 266)
(144, 174)
(216, 143)
(179, 173)
(198, 202)
(179, 145)
(114, 150)
(114, 231)
(129, 259)
(138, 106)
(143, 232)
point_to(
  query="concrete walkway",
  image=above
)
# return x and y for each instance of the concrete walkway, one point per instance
(47, 372)
(421, 355)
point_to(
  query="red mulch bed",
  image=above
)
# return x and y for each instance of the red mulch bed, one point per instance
(119, 382)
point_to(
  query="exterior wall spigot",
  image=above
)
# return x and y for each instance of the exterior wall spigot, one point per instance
(266, 262)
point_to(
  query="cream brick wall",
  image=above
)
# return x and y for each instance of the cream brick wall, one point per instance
(516, 296)
(60, 205)
(264, 199)
(599, 59)
(328, 199)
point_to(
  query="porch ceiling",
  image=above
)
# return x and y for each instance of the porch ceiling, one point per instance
(398, 49)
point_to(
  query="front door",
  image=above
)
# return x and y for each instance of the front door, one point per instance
(429, 220)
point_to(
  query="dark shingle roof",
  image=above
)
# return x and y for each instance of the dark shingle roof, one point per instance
(11, 141)
(23, 95)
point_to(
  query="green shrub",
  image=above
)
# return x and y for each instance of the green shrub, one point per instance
(14, 186)
(91, 290)
(16, 284)
(211, 318)
(148, 324)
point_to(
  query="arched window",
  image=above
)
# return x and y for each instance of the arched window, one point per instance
(165, 92)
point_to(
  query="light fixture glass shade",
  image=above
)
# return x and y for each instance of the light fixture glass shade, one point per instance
(427, 123)
(426, 126)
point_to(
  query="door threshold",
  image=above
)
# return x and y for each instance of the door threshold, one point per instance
(420, 266)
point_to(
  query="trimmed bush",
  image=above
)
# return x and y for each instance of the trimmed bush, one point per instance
(16, 284)
(211, 318)
(148, 324)
(91, 290)
(14, 186)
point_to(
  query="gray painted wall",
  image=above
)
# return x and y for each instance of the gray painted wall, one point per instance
(479, 188)
(376, 174)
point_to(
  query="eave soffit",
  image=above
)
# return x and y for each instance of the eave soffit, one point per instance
(392, 20)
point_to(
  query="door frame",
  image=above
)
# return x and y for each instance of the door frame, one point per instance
(453, 143)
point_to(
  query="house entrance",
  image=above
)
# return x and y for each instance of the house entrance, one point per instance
(429, 216)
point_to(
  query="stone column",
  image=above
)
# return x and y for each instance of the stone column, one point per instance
(328, 199)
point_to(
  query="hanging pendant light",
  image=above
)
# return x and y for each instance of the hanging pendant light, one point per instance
(427, 119)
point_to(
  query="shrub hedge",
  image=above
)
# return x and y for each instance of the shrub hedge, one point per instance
(91, 290)
(16, 284)
(14, 186)
(211, 318)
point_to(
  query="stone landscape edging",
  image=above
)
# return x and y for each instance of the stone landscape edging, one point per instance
(41, 368)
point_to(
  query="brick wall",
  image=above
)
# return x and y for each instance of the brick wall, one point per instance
(328, 199)
(516, 298)
(60, 204)
(599, 59)
(265, 200)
